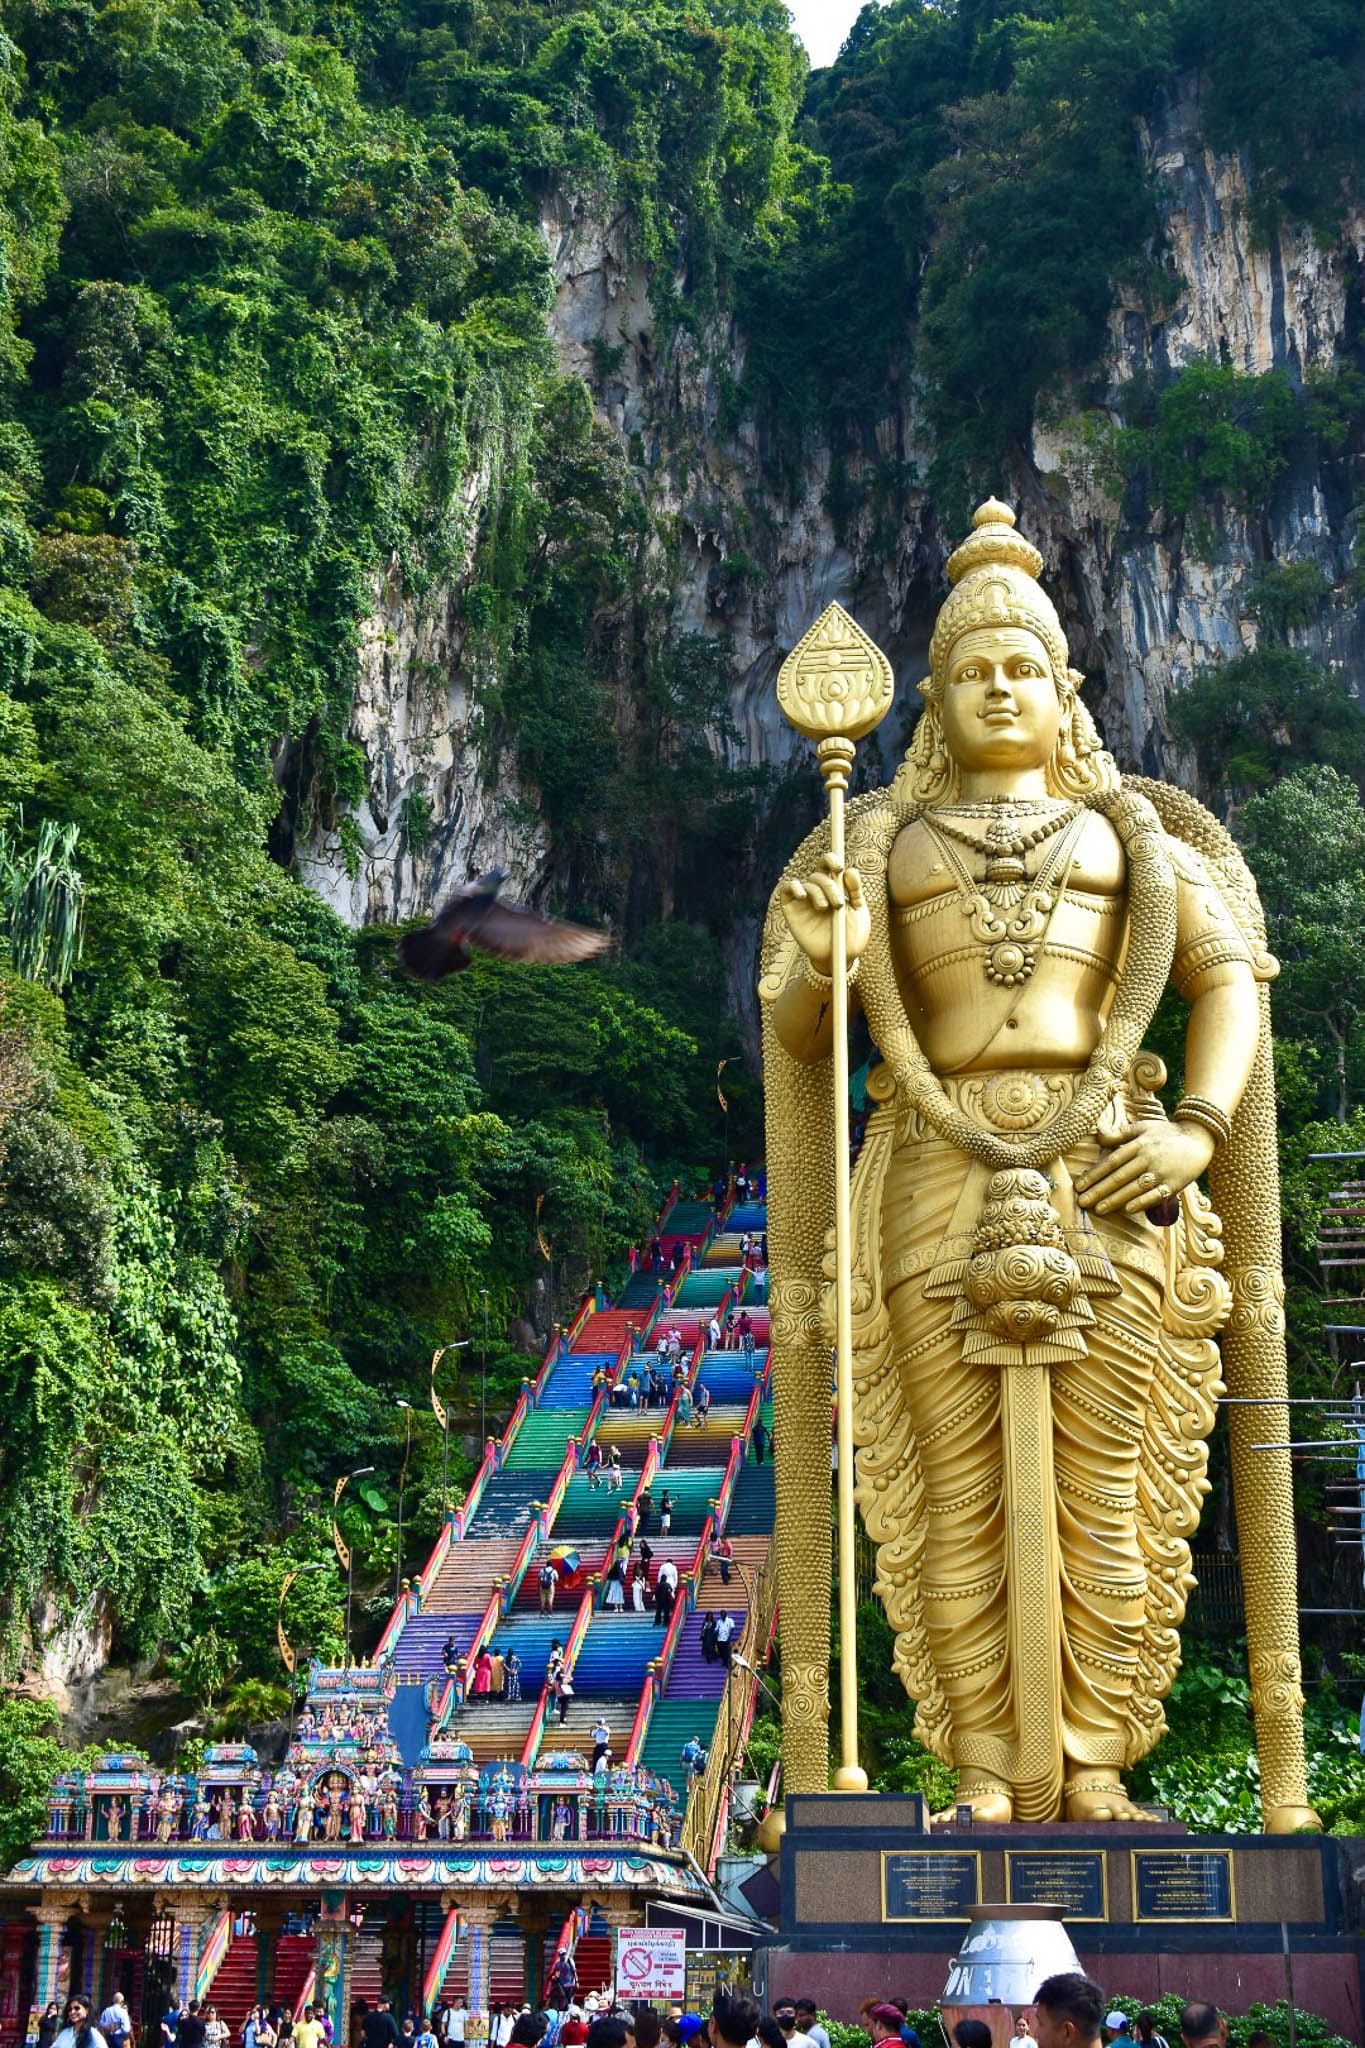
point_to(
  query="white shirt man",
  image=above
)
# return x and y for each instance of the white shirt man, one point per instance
(725, 1629)
(457, 2020)
(668, 1575)
(713, 1333)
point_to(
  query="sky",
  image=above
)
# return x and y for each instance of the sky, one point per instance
(823, 24)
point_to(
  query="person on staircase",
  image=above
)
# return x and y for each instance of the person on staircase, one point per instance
(759, 1439)
(713, 1333)
(483, 1675)
(725, 1636)
(665, 1593)
(701, 1405)
(601, 1740)
(547, 1580)
(497, 1676)
(511, 1678)
(614, 1601)
(592, 1464)
(612, 1472)
(666, 1505)
(638, 1579)
(708, 1638)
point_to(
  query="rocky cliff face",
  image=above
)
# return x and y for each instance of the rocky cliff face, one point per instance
(1143, 604)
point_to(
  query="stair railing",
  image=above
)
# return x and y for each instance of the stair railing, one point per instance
(569, 1934)
(709, 1798)
(586, 1308)
(441, 1959)
(212, 1951)
(573, 1643)
(536, 1531)
(406, 1604)
(733, 1463)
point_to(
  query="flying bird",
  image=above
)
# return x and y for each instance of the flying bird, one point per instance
(476, 916)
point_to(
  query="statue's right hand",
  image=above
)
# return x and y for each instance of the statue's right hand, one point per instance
(811, 906)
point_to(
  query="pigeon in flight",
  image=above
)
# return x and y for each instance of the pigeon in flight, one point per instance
(475, 916)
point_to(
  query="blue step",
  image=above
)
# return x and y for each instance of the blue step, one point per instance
(616, 1649)
(423, 1636)
(727, 1376)
(530, 1635)
(506, 1504)
(750, 1216)
(570, 1381)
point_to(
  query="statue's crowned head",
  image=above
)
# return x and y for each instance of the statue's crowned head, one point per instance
(996, 591)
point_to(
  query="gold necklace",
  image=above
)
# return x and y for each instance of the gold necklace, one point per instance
(1005, 848)
(1009, 918)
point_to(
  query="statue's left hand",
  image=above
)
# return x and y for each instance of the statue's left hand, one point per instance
(1147, 1163)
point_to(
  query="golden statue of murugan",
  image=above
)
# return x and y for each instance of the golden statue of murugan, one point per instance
(1038, 1280)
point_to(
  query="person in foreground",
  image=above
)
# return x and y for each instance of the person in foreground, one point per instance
(1070, 2009)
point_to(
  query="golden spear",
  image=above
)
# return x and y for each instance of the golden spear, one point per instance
(835, 687)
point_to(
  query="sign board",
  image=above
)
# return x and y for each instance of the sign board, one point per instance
(929, 1884)
(1074, 1879)
(1183, 1884)
(651, 1962)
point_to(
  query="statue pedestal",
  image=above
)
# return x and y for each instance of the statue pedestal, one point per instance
(872, 1902)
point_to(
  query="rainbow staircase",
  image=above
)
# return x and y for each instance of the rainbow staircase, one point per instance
(650, 1684)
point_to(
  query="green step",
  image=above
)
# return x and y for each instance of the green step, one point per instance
(672, 1723)
(591, 1516)
(541, 1441)
(686, 1219)
(704, 1289)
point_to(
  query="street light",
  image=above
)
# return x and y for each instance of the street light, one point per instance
(287, 1655)
(442, 1414)
(406, 1406)
(483, 1374)
(343, 1548)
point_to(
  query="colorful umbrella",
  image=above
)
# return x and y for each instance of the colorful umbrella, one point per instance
(565, 1560)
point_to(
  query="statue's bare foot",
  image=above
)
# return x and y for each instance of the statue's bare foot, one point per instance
(1099, 1795)
(988, 1800)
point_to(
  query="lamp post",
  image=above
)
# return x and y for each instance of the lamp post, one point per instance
(406, 1407)
(442, 1414)
(287, 1655)
(483, 1374)
(343, 1548)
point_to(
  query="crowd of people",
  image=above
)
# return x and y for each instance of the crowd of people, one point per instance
(1069, 2011)
(496, 1674)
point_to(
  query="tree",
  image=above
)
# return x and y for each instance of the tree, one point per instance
(1305, 839)
(30, 1758)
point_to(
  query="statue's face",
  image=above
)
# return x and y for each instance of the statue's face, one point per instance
(1000, 706)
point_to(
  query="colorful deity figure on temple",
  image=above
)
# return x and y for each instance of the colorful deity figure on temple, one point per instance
(561, 1820)
(246, 1819)
(459, 1824)
(355, 1807)
(389, 1813)
(167, 1812)
(113, 1818)
(303, 1817)
(308, 1722)
(148, 1816)
(500, 1811)
(334, 1798)
(227, 1813)
(442, 1816)
(272, 1815)
(201, 1817)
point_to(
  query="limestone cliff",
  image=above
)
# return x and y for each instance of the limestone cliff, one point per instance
(1146, 600)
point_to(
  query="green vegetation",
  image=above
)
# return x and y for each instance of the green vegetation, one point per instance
(274, 300)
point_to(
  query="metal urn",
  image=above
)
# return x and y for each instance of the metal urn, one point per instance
(1008, 1952)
